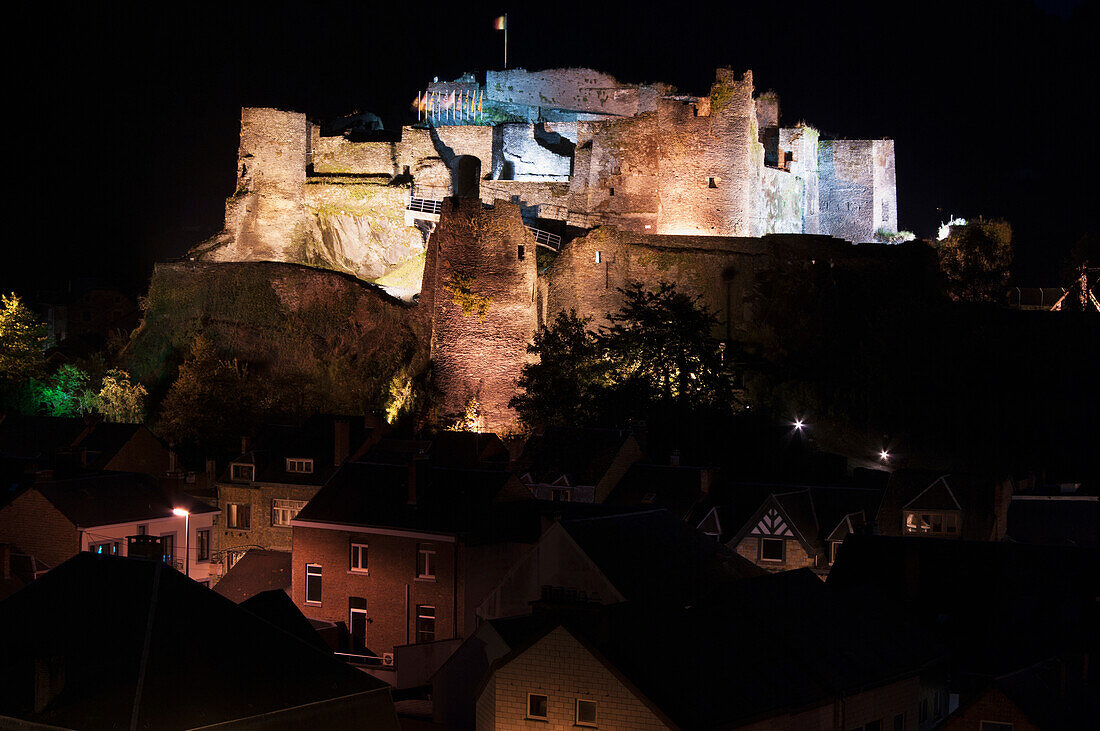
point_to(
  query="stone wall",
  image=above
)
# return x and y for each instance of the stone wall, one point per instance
(798, 148)
(479, 291)
(782, 198)
(580, 90)
(536, 199)
(858, 191)
(535, 152)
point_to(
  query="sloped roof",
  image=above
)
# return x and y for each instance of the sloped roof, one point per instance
(150, 647)
(678, 489)
(976, 495)
(105, 440)
(999, 605)
(582, 454)
(652, 556)
(1055, 522)
(106, 498)
(37, 436)
(276, 607)
(752, 650)
(815, 512)
(257, 571)
(315, 440)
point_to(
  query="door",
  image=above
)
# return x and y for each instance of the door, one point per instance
(357, 623)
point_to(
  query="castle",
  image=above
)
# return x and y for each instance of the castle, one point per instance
(639, 182)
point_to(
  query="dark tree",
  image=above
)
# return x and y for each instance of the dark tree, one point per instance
(975, 259)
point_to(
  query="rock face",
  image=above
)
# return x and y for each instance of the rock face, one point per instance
(326, 334)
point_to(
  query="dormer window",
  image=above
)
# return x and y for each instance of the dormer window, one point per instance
(932, 523)
(299, 465)
(242, 472)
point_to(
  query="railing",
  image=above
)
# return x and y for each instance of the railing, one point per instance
(545, 238)
(352, 658)
(421, 201)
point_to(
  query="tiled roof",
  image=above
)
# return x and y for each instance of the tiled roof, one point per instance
(257, 571)
(106, 498)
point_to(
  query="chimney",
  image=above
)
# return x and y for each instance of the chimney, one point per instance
(246, 445)
(5, 560)
(341, 435)
(416, 473)
(211, 469)
(674, 458)
(173, 459)
(705, 477)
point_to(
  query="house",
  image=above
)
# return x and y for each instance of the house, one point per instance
(999, 606)
(780, 651)
(1052, 694)
(110, 642)
(680, 489)
(1059, 515)
(647, 556)
(264, 487)
(933, 504)
(576, 464)
(401, 555)
(98, 512)
(804, 527)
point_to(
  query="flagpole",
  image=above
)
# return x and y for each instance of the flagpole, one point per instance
(506, 40)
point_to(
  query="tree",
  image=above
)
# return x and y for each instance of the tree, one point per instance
(119, 399)
(65, 393)
(563, 386)
(22, 339)
(975, 260)
(663, 340)
(212, 398)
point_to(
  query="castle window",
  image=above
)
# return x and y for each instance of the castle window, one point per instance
(521, 252)
(598, 257)
(611, 191)
(712, 183)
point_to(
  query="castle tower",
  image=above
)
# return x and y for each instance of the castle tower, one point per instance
(479, 293)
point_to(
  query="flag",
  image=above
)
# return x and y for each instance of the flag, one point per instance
(500, 23)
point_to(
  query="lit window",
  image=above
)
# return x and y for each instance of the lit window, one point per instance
(772, 549)
(598, 257)
(238, 516)
(313, 584)
(425, 623)
(284, 511)
(202, 545)
(168, 545)
(934, 524)
(537, 705)
(586, 713)
(303, 466)
(107, 549)
(425, 561)
(242, 472)
(359, 557)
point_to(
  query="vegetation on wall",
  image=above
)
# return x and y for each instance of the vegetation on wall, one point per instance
(463, 295)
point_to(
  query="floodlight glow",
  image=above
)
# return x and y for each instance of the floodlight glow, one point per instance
(180, 512)
(884, 455)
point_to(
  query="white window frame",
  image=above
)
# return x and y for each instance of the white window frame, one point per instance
(577, 714)
(919, 523)
(300, 465)
(527, 711)
(199, 558)
(420, 614)
(783, 543)
(427, 550)
(289, 508)
(359, 555)
(319, 574)
(233, 516)
(599, 257)
(250, 469)
(113, 548)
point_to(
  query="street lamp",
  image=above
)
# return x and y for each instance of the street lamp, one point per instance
(186, 515)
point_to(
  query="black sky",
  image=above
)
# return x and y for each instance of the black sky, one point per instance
(128, 116)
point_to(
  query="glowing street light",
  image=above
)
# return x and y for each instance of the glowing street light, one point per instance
(186, 515)
(884, 456)
(798, 424)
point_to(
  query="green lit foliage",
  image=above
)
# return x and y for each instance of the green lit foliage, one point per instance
(975, 260)
(120, 399)
(564, 385)
(212, 398)
(65, 393)
(22, 339)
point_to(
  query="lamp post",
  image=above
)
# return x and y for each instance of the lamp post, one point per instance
(186, 539)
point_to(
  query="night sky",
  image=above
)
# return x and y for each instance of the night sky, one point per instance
(128, 118)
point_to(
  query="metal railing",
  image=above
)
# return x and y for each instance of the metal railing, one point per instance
(424, 205)
(545, 238)
(367, 660)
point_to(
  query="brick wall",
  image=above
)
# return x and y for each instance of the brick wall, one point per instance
(32, 523)
(795, 555)
(559, 667)
(261, 534)
(993, 705)
(392, 565)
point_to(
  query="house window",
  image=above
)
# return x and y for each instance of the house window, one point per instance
(899, 722)
(202, 545)
(107, 549)
(242, 472)
(143, 530)
(772, 549)
(313, 584)
(298, 464)
(560, 495)
(425, 623)
(238, 516)
(168, 544)
(586, 713)
(521, 252)
(599, 257)
(357, 621)
(932, 524)
(283, 511)
(359, 557)
(996, 726)
(425, 561)
(537, 705)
